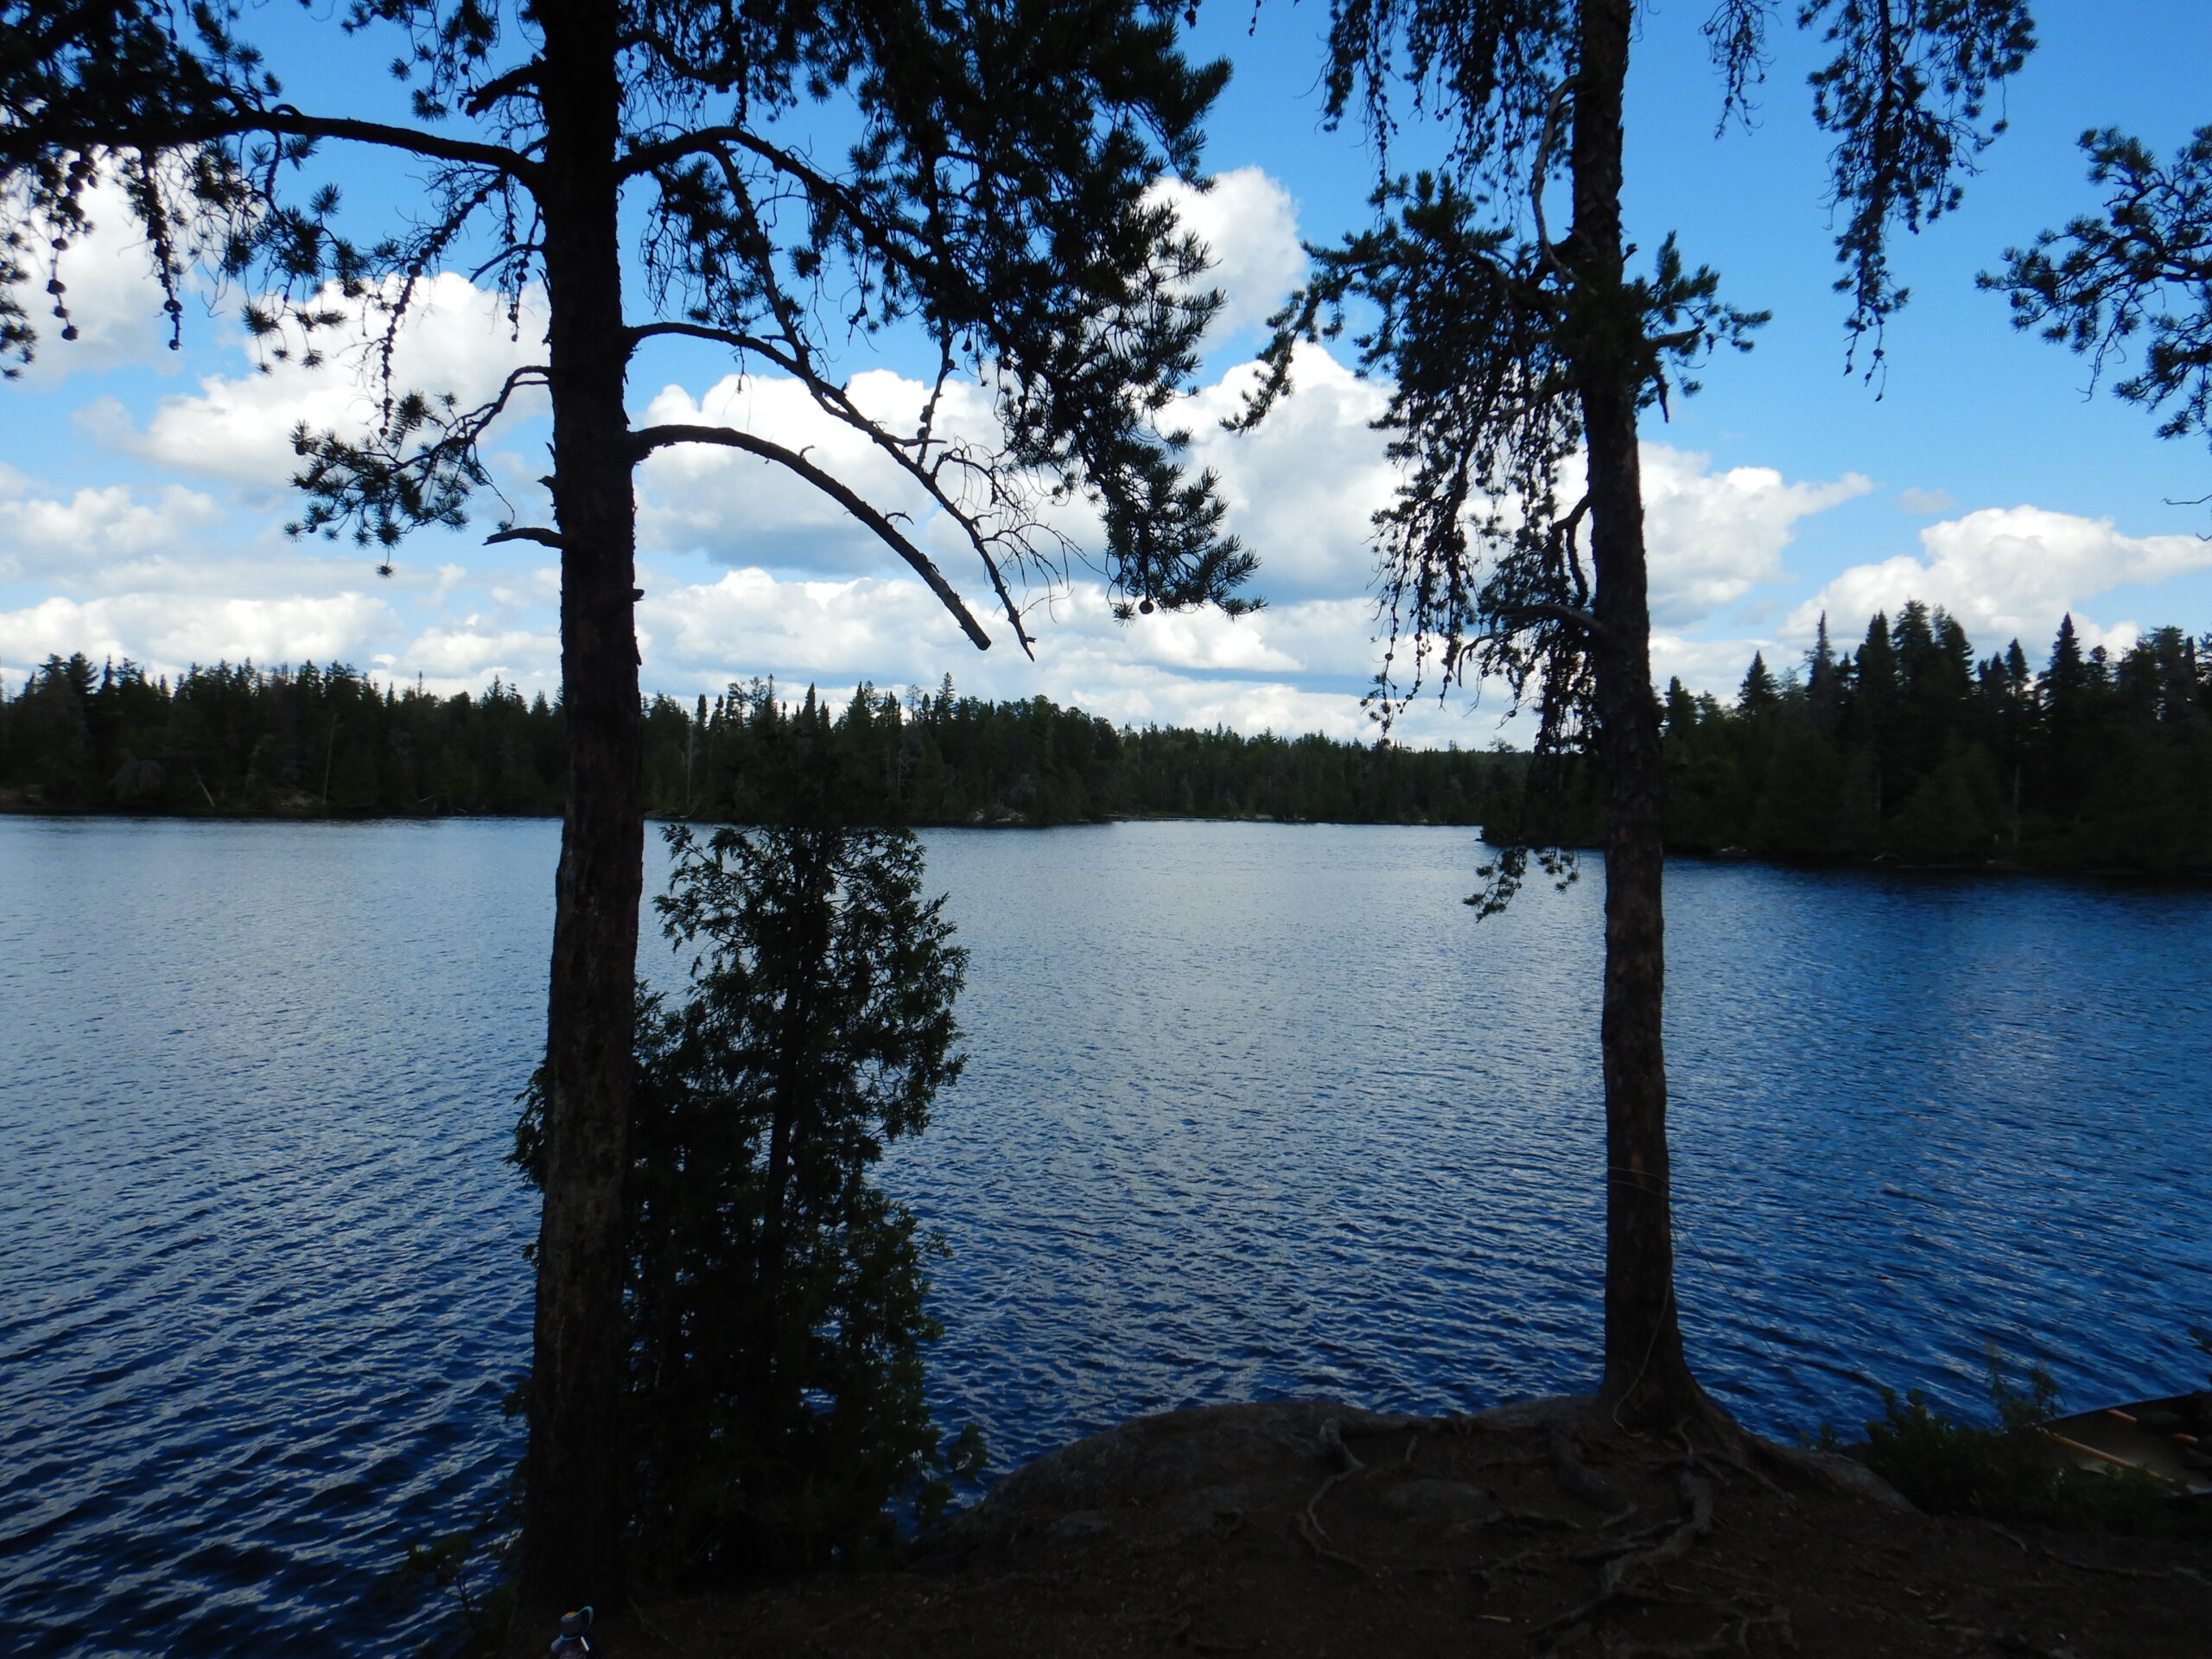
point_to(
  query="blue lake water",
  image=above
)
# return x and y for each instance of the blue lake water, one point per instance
(1250, 1109)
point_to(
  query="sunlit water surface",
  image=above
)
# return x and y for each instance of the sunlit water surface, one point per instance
(1250, 1110)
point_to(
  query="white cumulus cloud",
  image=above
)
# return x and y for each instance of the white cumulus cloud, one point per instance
(475, 650)
(1193, 669)
(168, 631)
(1302, 488)
(2007, 573)
(747, 622)
(79, 538)
(1714, 536)
(1249, 225)
(456, 339)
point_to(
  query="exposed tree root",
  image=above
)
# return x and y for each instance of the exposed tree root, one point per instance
(1714, 1450)
(1345, 1466)
(1487, 1576)
(1356, 1424)
(1697, 1498)
(1334, 1449)
(1579, 1479)
(1535, 1519)
(1627, 1544)
(1730, 1454)
(1473, 1538)
(1309, 1533)
(1617, 1580)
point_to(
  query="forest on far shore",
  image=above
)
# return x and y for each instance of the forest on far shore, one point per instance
(1908, 747)
(326, 741)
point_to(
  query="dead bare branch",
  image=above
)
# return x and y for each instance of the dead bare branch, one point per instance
(527, 533)
(660, 437)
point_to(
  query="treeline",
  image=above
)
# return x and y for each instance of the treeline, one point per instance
(78, 738)
(939, 757)
(1909, 747)
(1913, 749)
(310, 741)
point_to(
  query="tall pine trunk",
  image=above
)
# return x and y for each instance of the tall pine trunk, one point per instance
(1647, 1379)
(573, 1475)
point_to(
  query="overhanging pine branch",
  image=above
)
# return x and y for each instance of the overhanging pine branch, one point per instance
(701, 140)
(661, 438)
(729, 337)
(287, 122)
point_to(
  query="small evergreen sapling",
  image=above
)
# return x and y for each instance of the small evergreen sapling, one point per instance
(774, 1415)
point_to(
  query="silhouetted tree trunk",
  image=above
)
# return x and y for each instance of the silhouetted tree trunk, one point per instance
(1509, 354)
(1647, 1379)
(571, 1527)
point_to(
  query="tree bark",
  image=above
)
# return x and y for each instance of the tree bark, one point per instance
(1647, 1379)
(573, 1474)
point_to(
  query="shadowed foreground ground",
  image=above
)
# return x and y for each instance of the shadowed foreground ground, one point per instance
(1307, 1528)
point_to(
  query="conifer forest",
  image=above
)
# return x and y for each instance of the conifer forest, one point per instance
(1911, 747)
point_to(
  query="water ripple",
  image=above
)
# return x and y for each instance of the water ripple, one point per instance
(1251, 1110)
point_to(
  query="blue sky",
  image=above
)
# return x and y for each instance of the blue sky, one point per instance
(143, 492)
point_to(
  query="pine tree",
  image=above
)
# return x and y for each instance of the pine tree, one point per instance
(977, 173)
(1513, 345)
(2143, 267)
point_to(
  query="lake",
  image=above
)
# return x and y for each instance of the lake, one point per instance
(1250, 1109)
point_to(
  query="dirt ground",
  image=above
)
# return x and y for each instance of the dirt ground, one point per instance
(1308, 1529)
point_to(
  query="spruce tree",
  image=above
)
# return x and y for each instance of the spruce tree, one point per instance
(2017, 728)
(1758, 694)
(1871, 720)
(1935, 680)
(773, 1405)
(1824, 682)
(2066, 697)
